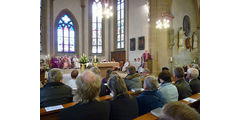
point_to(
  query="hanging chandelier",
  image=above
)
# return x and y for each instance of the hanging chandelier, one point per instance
(107, 11)
(164, 21)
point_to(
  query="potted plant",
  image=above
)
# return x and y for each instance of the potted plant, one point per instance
(83, 60)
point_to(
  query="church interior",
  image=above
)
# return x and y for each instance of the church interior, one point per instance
(151, 39)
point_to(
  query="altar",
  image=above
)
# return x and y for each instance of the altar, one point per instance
(103, 66)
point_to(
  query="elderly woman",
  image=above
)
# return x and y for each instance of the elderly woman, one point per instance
(167, 90)
(55, 92)
(133, 79)
(89, 108)
(149, 99)
(123, 105)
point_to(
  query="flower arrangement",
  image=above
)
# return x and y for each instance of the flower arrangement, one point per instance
(83, 59)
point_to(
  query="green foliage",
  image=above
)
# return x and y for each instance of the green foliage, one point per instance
(83, 59)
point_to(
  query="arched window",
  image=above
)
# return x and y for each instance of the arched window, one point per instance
(97, 46)
(65, 35)
(120, 24)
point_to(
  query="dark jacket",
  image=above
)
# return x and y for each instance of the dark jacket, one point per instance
(133, 81)
(55, 93)
(183, 88)
(93, 110)
(104, 90)
(148, 100)
(195, 85)
(124, 107)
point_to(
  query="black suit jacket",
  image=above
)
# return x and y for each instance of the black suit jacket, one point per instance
(183, 88)
(124, 107)
(55, 93)
(93, 110)
(195, 86)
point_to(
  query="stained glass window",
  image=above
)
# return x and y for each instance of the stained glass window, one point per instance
(120, 24)
(97, 27)
(65, 35)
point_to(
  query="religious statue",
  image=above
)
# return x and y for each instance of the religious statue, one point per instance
(76, 63)
(146, 60)
(180, 37)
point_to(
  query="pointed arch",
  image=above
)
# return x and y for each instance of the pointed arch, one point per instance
(66, 33)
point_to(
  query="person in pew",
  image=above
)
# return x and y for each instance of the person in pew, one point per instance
(178, 111)
(146, 72)
(167, 90)
(194, 82)
(108, 73)
(88, 107)
(123, 105)
(149, 99)
(104, 91)
(165, 68)
(55, 92)
(133, 80)
(184, 90)
(72, 82)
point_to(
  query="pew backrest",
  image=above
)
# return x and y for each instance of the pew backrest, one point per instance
(54, 115)
(195, 104)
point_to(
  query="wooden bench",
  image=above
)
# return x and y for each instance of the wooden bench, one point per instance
(54, 115)
(196, 105)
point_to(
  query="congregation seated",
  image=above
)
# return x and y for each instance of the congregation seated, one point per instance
(178, 111)
(149, 99)
(123, 105)
(194, 82)
(133, 80)
(88, 107)
(167, 90)
(182, 85)
(103, 90)
(55, 92)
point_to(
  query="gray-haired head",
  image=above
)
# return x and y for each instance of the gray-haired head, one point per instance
(95, 70)
(117, 85)
(88, 86)
(150, 83)
(55, 75)
(146, 71)
(193, 72)
(178, 111)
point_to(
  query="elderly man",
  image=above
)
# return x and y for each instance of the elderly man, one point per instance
(55, 92)
(194, 82)
(149, 99)
(133, 80)
(183, 87)
(89, 108)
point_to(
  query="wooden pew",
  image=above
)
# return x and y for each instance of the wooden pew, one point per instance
(54, 115)
(196, 104)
